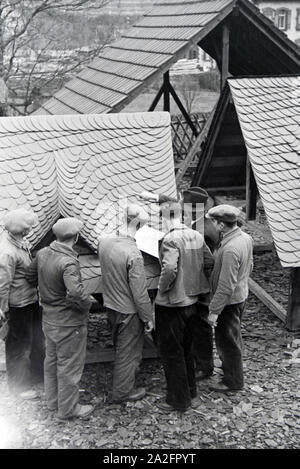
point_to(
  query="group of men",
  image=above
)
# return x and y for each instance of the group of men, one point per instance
(198, 290)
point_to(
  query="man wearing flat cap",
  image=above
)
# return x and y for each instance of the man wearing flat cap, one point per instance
(65, 315)
(195, 202)
(127, 301)
(18, 301)
(186, 262)
(229, 283)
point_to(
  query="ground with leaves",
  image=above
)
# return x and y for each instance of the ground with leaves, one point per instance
(266, 414)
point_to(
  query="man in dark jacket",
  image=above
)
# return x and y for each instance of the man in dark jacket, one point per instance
(65, 315)
(185, 263)
(127, 302)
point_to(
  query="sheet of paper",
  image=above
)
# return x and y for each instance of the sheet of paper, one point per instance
(147, 240)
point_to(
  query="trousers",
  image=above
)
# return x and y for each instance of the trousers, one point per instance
(24, 347)
(64, 364)
(230, 345)
(128, 339)
(174, 327)
(202, 340)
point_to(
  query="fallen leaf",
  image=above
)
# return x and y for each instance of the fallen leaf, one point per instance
(256, 388)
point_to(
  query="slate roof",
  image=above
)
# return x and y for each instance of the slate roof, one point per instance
(268, 109)
(82, 166)
(160, 38)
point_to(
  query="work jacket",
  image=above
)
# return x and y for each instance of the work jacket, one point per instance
(64, 300)
(124, 286)
(185, 263)
(232, 269)
(15, 257)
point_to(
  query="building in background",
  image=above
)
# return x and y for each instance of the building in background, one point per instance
(128, 7)
(285, 14)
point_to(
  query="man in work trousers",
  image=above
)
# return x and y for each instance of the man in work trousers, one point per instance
(195, 201)
(185, 260)
(127, 302)
(65, 315)
(24, 344)
(229, 283)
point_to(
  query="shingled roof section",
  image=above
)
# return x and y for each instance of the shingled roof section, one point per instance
(83, 166)
(163, 36)
(269, 113)
(140, 55)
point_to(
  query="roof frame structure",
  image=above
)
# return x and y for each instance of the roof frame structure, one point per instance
(129, 68)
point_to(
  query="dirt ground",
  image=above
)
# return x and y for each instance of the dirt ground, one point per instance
(266, 414)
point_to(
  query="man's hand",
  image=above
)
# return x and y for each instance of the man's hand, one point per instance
(149, 326)
(212, 319)
(149, 196)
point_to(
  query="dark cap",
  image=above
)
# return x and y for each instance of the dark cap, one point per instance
(195, 195)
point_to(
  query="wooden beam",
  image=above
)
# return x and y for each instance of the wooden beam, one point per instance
(225, 54)
(156, 99)
(183, 110)
(251, 192)
(100, 355)
(212, 135)
(167, 91)
(293, 316)
(267, 300)
(271, 32)
(182, 169)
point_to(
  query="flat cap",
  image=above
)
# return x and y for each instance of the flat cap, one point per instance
(18, 220)
(195, 195)
(227, 213)
(67, 227)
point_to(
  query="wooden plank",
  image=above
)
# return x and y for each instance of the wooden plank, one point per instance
(251, 192)
(225, 54)
(225, 188)
(195, 148)
(108, 355)
(167, 91)
(267, 300)
(268, 247)
(212, 135)
(156, 99)
(293, 316)
(182, 109)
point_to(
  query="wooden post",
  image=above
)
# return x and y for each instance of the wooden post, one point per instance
(156, 99)
(167, 91)
(251, 192)
(183, 111)
(225, 55)
(293, 313)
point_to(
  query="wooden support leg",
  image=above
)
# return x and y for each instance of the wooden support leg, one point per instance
(225, 55)
(293, 314)
(167, 92)
(251, 193)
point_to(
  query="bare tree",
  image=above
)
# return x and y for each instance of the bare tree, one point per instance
(187, 93)
(30, 28)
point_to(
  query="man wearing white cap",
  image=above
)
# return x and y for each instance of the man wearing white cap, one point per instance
(229, 284)
(65, 315)
(18, 301)
(127, 301)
